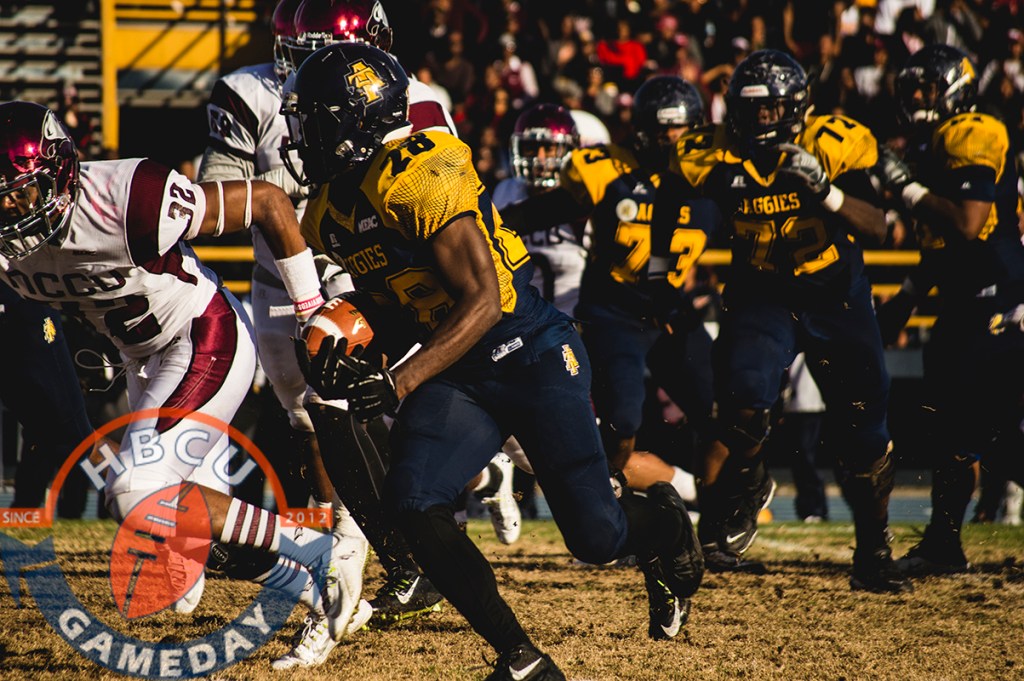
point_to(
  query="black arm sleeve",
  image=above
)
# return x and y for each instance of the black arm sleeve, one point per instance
(543, 211)
(668, 200)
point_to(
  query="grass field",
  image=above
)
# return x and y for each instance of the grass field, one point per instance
(800, 621)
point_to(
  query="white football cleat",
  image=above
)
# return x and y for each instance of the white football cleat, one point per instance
(500, 500)
(314, 641)
(187, 603)
(344, 583)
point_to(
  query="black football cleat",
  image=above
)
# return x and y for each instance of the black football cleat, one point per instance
(525, 663)
(876, 571)
(682, 563)
(667, 613)
(739, 530)
(930, 557)
(404, 596)
(718, 561)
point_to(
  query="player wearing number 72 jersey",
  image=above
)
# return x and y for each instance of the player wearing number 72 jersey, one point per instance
(796, 195)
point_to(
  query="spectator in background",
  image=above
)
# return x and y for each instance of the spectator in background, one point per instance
(623, 58)
(517, 75)
(805, 21)
(889, 12)
(824, 76)
(426, 76)
(79, 125)
(456, 73)
(954, 23)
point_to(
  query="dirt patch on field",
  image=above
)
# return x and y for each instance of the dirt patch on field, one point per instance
(799, 621)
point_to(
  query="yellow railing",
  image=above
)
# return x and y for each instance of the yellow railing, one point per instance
(712, 257)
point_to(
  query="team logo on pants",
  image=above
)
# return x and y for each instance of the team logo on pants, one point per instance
(49, 330)
(572, 365)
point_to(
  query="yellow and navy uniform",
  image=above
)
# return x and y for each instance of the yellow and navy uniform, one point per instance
(796, 283)
(379, 226)
(973, 377)
(781, 236)
(969, 157)
(618, 193)
(609, 181)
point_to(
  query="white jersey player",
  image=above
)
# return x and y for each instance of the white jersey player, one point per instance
(543, 137)
(108, 241)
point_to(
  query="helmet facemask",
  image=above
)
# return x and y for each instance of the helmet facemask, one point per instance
(764, 122)
(38, 184)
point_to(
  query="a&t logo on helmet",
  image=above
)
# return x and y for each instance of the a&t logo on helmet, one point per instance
(366, 81)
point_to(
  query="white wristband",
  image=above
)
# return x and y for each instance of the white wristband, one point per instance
(219, 229)
(298, 273)
(913, 193)
(833, 201)
(248, 204)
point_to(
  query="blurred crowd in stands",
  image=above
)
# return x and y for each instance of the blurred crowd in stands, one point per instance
(492, 58)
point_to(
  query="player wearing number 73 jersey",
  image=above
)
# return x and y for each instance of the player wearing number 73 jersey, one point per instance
(798, 202)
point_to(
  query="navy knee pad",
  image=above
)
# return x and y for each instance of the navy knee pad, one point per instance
(743, 429)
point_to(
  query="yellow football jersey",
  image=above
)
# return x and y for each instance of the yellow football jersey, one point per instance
(378, 226)
(776, 227)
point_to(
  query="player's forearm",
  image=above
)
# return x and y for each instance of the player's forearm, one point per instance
(866, 219)
(944, 216)
(272, 210)
(466, 323)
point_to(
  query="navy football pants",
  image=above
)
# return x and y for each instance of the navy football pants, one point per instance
(449, 428)
(760, 338)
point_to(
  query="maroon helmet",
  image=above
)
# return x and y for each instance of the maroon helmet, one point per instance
(38, 178)
(542, 140)
(322, 22)
(283, 28)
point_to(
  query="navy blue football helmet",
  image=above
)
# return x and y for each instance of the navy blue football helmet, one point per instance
(767, 100)
(937, 82)
(348, 96)
(660, 104)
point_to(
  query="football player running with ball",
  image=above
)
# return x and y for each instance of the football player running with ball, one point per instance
(962, 197)
(412, 218)
(798, 201)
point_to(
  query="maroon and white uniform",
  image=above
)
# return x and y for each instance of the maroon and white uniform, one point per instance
(125, 267)
(246, 131)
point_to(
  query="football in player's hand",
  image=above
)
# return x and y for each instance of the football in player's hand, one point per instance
(337, 318)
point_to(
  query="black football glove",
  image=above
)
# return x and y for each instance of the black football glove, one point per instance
(324, 373)
(371, 392)
(334, 375)
(805, 167)
(893, 314)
